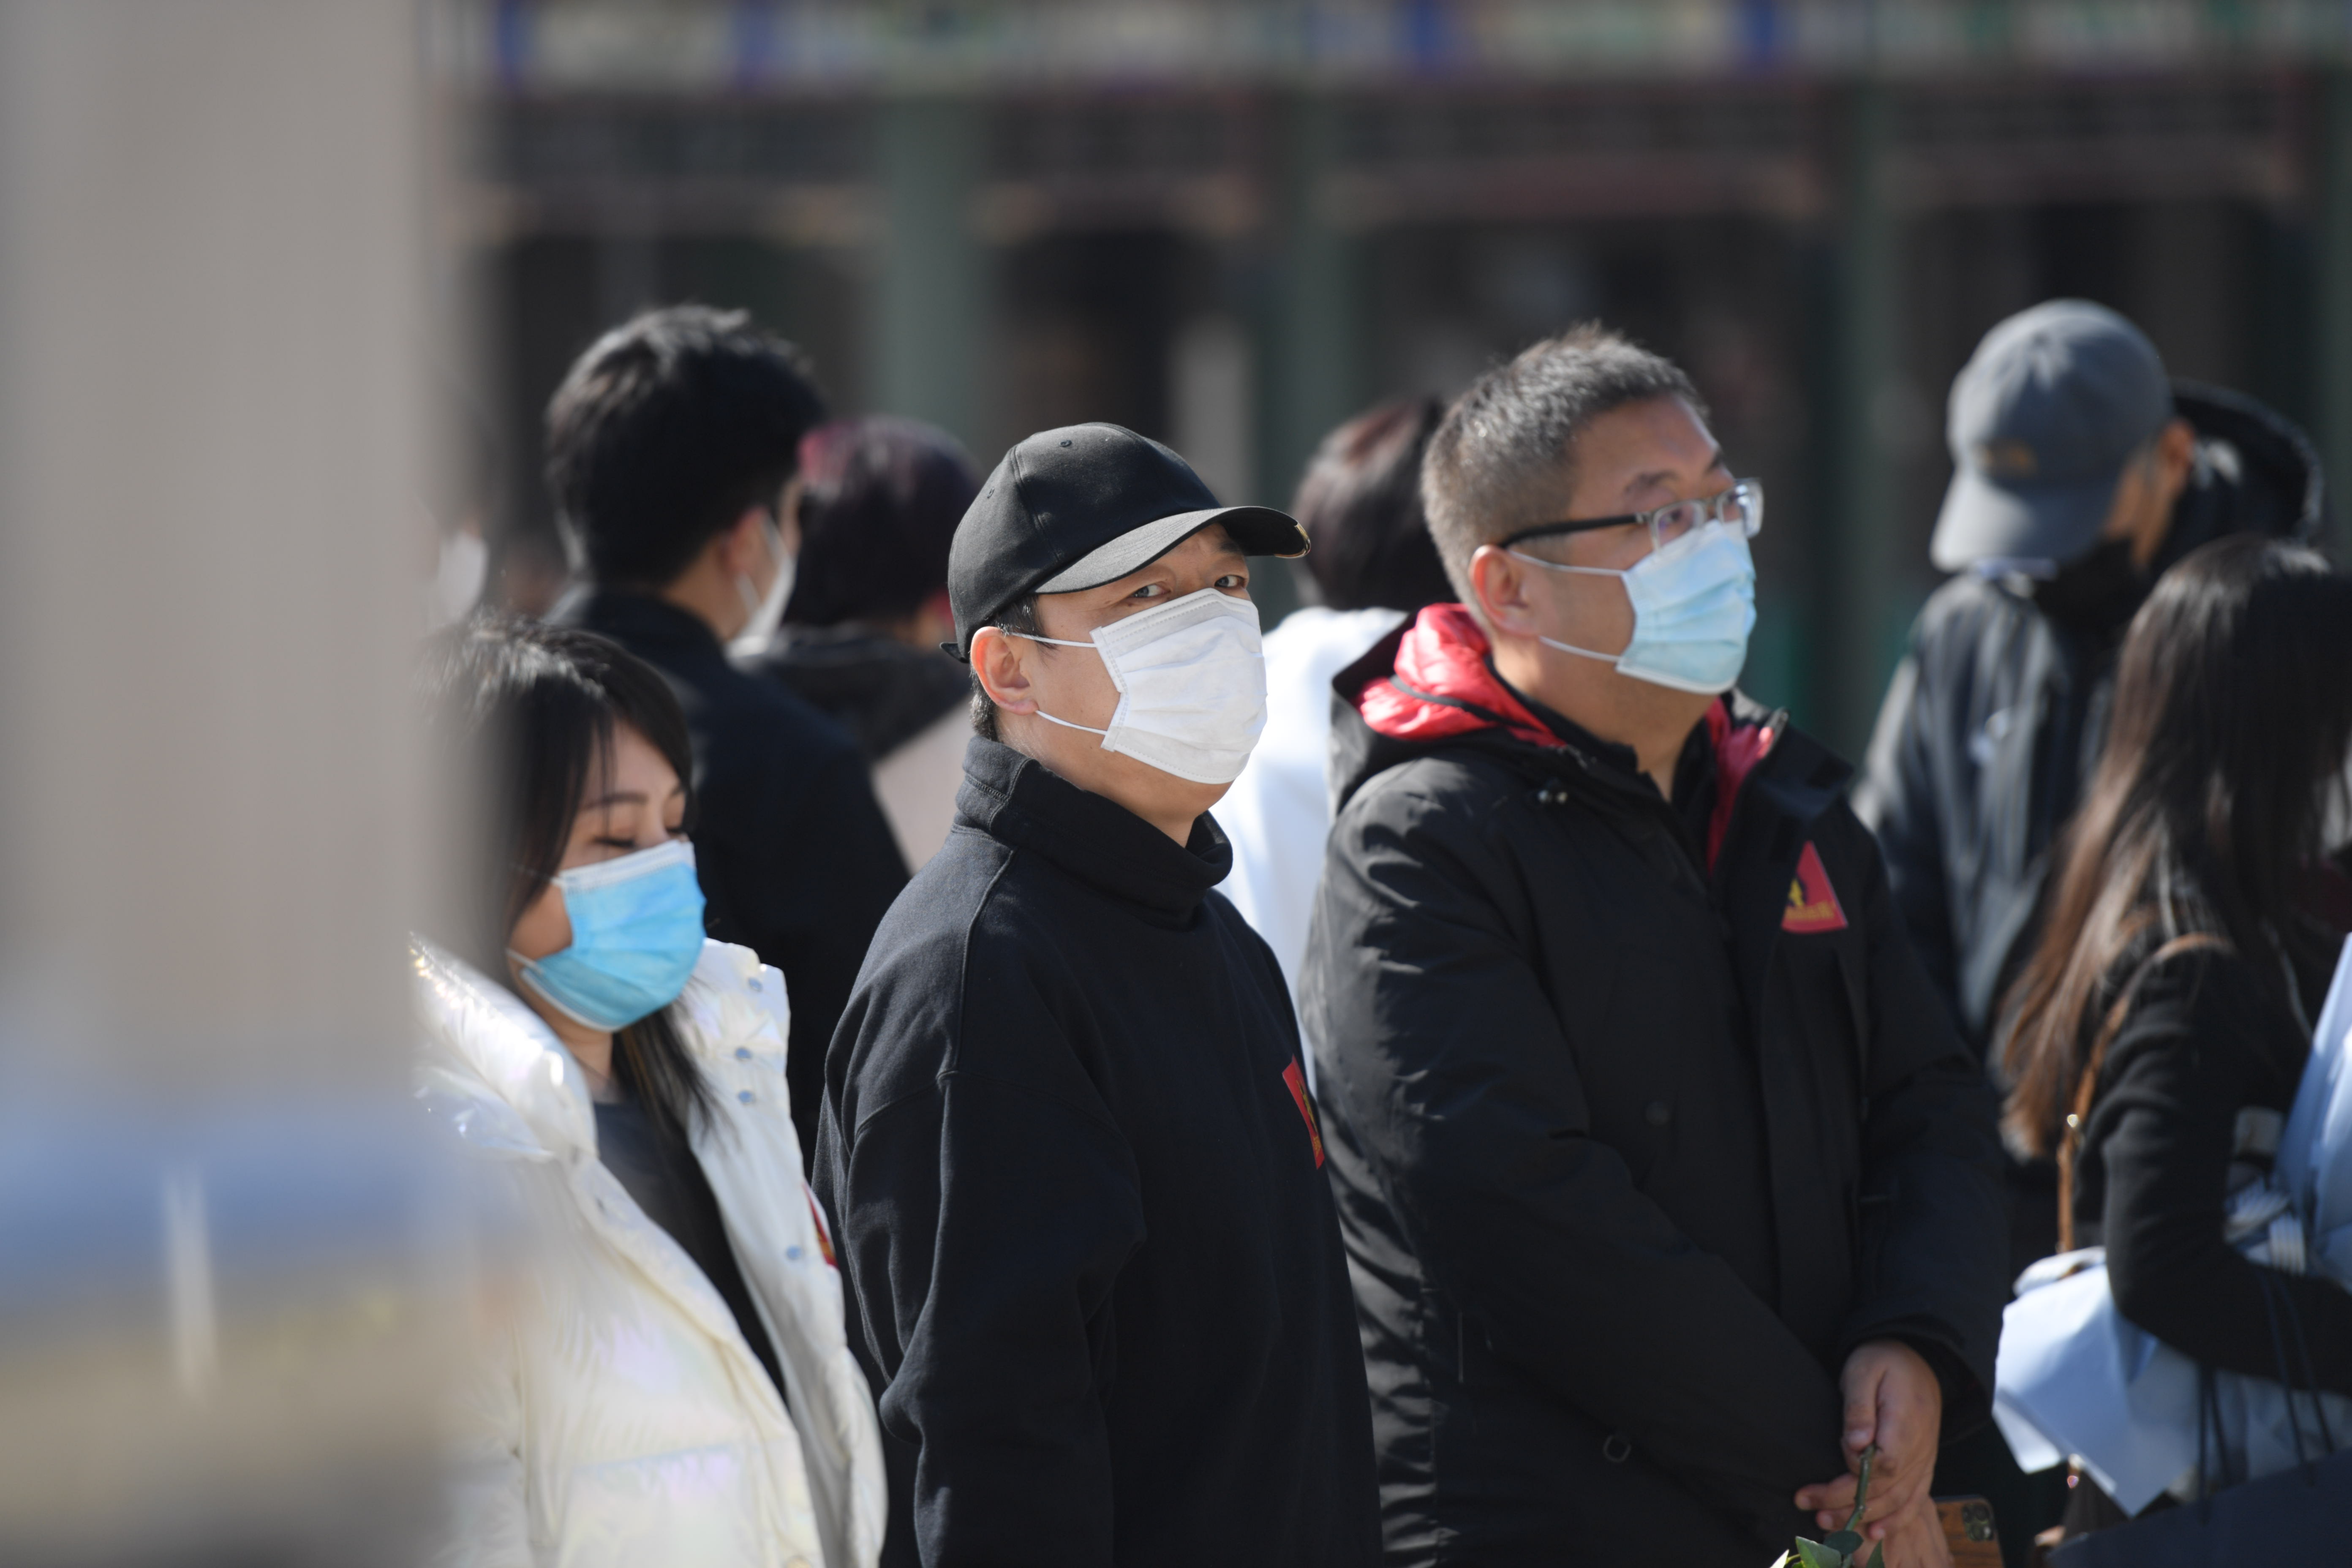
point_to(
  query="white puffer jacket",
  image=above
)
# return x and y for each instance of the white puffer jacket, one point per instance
(619, 1416)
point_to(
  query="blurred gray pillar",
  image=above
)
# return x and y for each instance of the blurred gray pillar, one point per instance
(930, 307)
(2333, 402)
(1310, 330)
(214, 1335)
(1857, 606)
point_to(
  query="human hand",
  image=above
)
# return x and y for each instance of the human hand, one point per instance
(1915, 1538)
(1892, 1400)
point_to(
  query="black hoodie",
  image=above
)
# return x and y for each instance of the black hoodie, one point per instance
(1090, 1258)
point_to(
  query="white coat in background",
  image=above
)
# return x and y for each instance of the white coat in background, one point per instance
(618, 1415)
(1278, 813)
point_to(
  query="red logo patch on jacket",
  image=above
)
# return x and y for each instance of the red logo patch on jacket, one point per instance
(1296, 1080)
(823, 1236)
(1812, 902)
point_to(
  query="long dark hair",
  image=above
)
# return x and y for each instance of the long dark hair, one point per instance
(526, 714)
(2232, 718)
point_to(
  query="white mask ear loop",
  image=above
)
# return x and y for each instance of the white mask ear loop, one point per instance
(1581, 571)
(1057, 642)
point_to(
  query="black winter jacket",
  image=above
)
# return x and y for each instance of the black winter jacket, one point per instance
(1090, 1259)
(1997, 714)
(796, 859)
(1634, 1141)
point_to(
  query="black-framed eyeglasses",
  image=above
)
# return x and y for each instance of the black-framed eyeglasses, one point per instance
(1740, 507)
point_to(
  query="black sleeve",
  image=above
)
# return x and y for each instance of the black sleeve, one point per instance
(1896, 798)
(1934, 1218)
(805, 870)
(985, 1223)
(1447, 1058)
(2164, 1122)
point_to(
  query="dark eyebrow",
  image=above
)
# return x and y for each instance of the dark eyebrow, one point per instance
(1660, 476)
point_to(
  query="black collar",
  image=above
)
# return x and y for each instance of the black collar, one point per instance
(1018, 801)
(641, 621)
(1694, 768)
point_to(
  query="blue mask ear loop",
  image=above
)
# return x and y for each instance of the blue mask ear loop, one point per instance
(1583, 570)
(1058, 642)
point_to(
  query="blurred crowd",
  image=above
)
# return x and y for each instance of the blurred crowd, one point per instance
(1004, 1059)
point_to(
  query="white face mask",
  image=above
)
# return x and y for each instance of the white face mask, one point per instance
(767, 610)
(457, 580)
(1192, 685)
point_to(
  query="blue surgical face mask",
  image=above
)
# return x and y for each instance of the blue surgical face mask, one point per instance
(1694, 605)
(636, 932)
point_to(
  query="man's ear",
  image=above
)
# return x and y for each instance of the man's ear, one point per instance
(1498, 585)
(1003, 671)
(2176, 448)
(788, 513)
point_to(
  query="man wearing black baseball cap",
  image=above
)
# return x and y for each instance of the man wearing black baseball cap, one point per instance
(1091, 1259)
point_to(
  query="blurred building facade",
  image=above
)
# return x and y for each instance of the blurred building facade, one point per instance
(1229, 225)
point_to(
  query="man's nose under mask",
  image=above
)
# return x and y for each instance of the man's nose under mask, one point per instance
(1191, 675)
(1694, 605)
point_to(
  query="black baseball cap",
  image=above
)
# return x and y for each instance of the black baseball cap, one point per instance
(1082, 506)
(2043, 420)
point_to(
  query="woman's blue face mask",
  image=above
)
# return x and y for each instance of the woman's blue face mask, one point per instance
(636, 932)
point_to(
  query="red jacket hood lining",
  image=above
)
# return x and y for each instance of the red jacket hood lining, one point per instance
(1441, 687)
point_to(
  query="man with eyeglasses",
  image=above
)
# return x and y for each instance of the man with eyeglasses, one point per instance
(1668, 1189)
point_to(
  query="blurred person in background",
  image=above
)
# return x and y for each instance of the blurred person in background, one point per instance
(2080, 474)
(529, 572)
(1668, 1189)
(1373, 564)
(461, 508)
(2176, 979)
(671, 1382)
(862, 632)
(673, 453)
(1068, 1140)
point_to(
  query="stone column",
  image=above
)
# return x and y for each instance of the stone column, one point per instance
(215, 1327)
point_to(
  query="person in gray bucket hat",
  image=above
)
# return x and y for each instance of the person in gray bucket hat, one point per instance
(2080, 473)
(2063, 436)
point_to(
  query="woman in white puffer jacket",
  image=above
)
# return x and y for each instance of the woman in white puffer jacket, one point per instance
(668, 1380)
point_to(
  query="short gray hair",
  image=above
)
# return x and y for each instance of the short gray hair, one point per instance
(1501, 459)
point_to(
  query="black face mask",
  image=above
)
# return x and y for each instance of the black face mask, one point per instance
(2096, 595)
